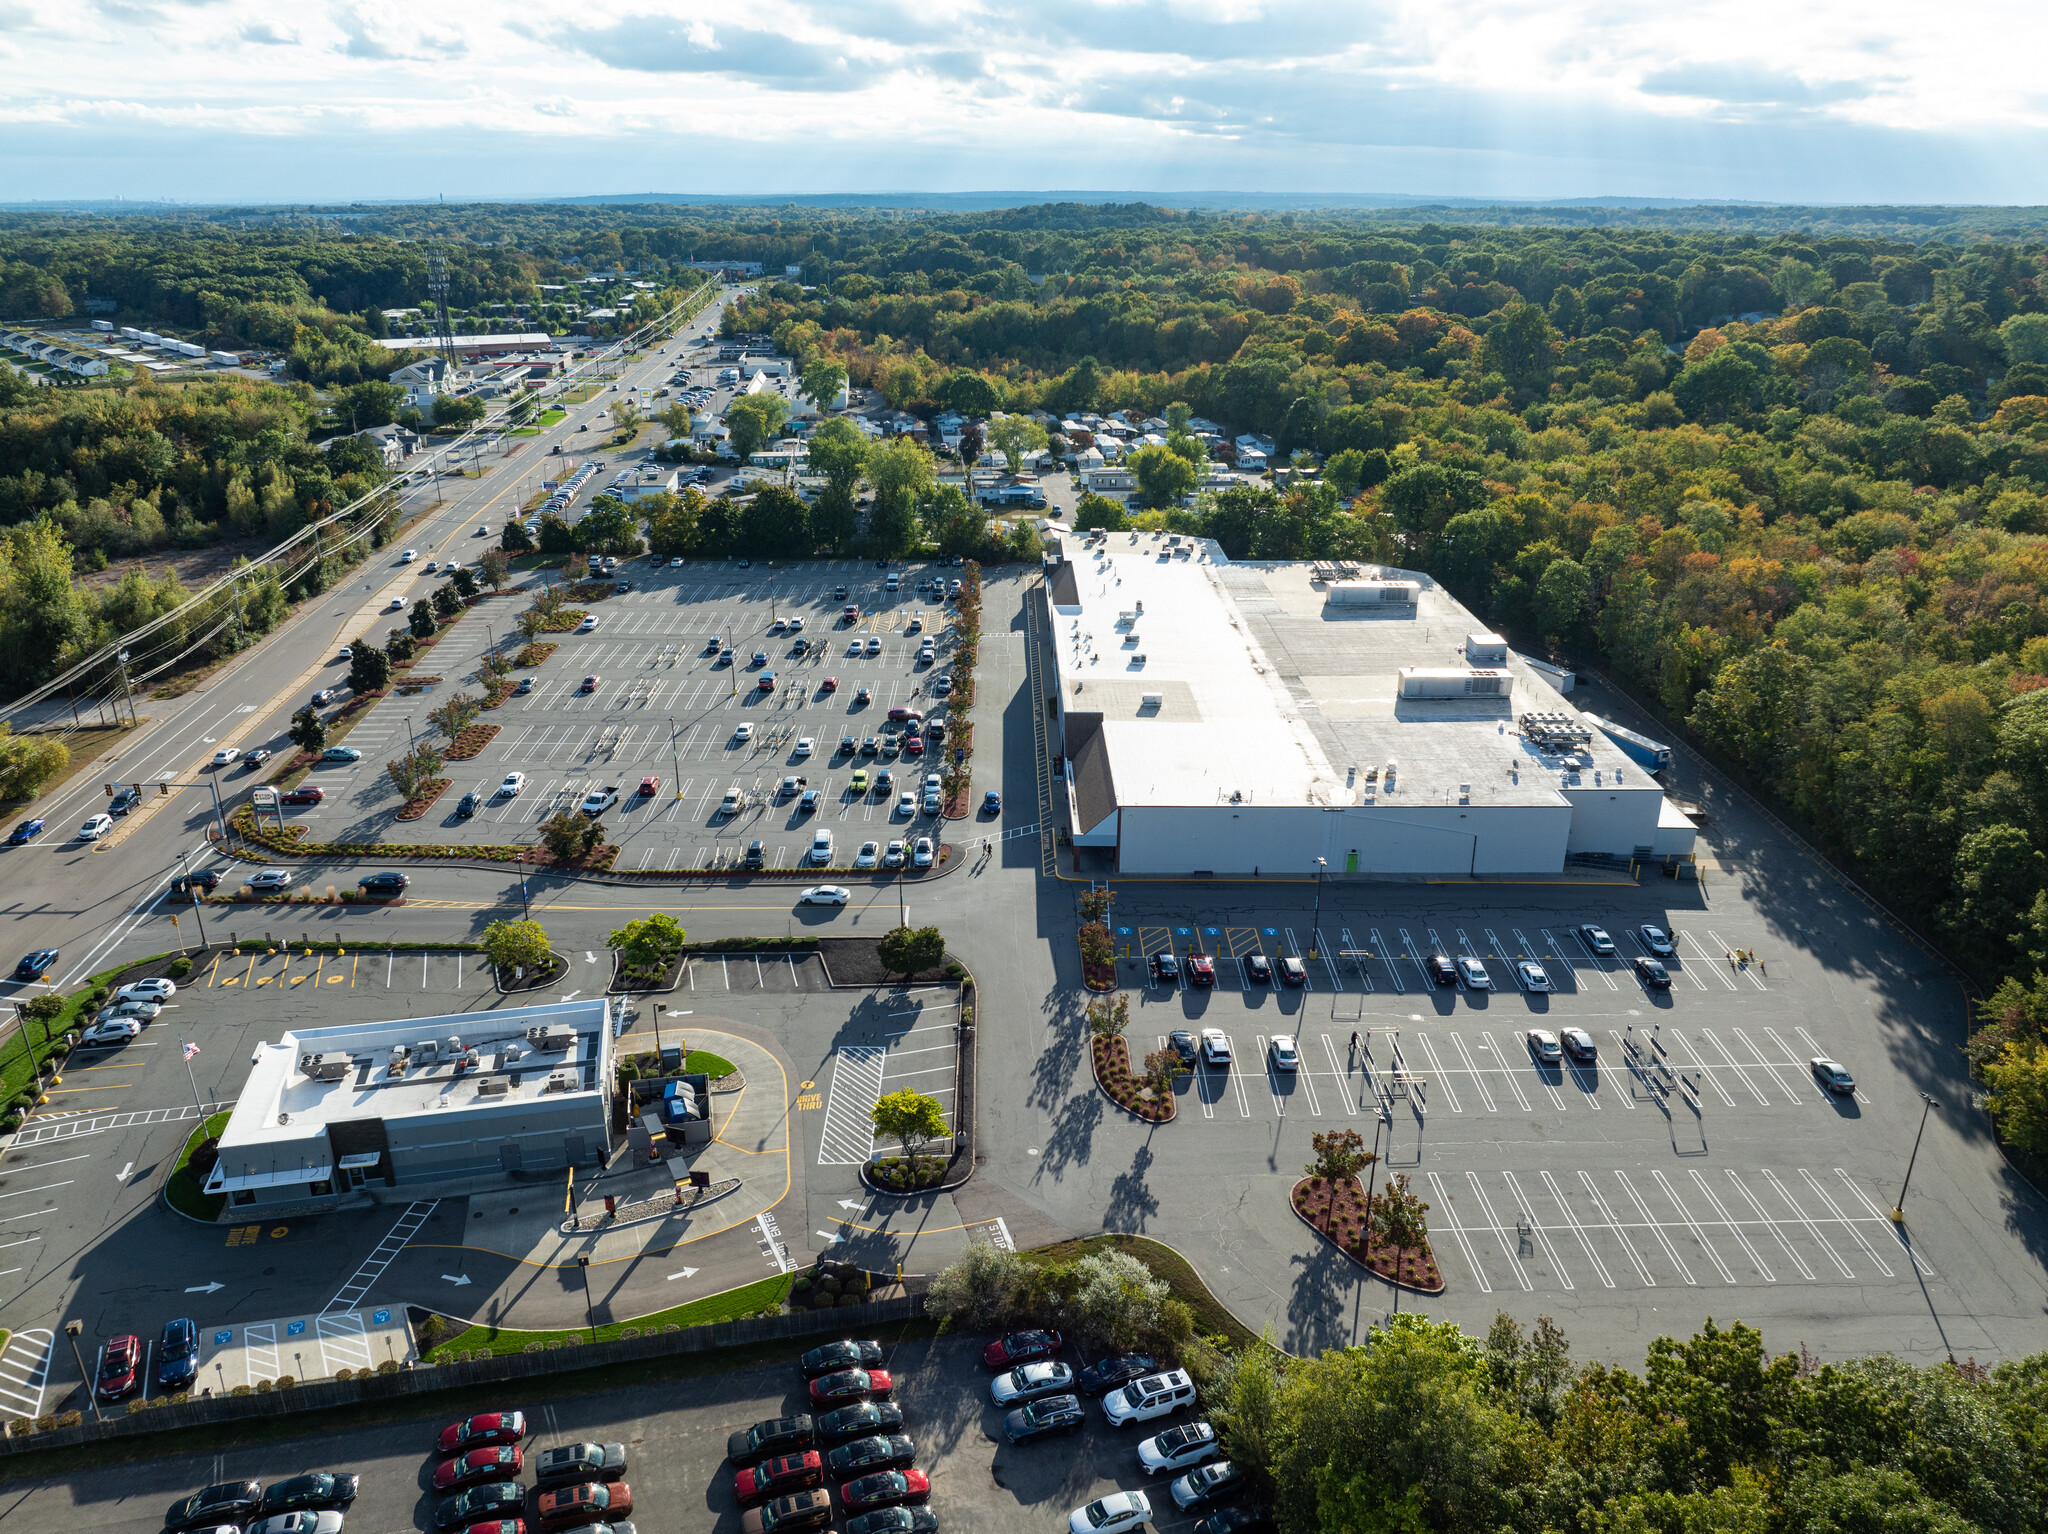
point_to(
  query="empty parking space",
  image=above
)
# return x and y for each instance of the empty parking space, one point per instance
(916, 1052)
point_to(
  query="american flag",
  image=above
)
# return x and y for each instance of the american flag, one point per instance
(191, 1049)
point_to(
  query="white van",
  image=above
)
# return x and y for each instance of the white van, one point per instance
(894, 583)
(821, 847)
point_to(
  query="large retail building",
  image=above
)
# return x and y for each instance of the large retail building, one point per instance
(1227, 717)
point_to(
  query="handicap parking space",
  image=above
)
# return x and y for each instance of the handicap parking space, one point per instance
(646, 698)
(915, 1050)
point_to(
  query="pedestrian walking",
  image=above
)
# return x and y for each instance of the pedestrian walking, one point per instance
(1354, 1042)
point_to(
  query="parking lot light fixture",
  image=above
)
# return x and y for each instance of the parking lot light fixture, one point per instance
(1899, 1208)
(1315, 925)
(92, 1389)
(583, 1262)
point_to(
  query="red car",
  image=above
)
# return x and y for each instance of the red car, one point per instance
(118, 1367)
(648, 787)
(1020, 1348)
(503, 1462)
(913, 745)
(592, 1502)
(851, 1385)
(1201, 969)
(849, 614)
(476, 1432)
(830, 684)
(310, 794)
(792, 1472)
(909, 716)
(590, 684)
(885, 1488)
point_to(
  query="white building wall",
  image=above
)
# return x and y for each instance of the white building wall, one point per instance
(1606, 818)
(1387, 839)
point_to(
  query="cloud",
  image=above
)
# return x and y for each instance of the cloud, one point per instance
(661, 45)
(1750, 85)
(265, 35)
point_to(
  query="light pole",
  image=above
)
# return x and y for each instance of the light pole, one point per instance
(186, 868)
(675, 760)
(92, 1394)
(1314, 927)
(1899, 1209)
(657, 1035)
(583, 1262)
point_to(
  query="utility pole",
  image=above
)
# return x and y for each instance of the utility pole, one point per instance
(1899, 1209)
(126, 696)
(193, 891)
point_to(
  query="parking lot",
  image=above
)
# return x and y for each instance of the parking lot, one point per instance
(665, 707)
(675, 1441)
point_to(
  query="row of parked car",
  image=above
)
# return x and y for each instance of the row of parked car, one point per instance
(1042, 1396)
(855, 1440)
(481, 1459)
(305, 1504)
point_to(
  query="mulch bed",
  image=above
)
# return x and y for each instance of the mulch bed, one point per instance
(533, 654)
(1098, 977)
(854, 961)
(473, 739)
(565, 621)
(537, 980)
(498, 694)
(416, 808)
(1112, 1058)
(1338, 1216)
(891, 1174)
(625, 980)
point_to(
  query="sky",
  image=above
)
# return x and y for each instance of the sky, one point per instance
(333, 100)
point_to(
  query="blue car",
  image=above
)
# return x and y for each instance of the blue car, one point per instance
(177, 1356)
(28, 830)
(992, 803)
(34, 966)
(341, 754)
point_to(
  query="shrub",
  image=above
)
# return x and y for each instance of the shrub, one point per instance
(46, 1422)
(239, 1390)
(344, 1374)
(286, 1382)
(181, 966)
(389, 1366)
(849, 1299)
(671, 1327)
(263, 1387)
(19, 1427)
(536, 1347)
(629, 1331)
(70, 1418)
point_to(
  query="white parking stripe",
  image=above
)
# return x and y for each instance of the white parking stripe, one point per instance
(1656, 1226)
(1735, 1229)
(1578, 1230)
(1693, 1225)
(1528, 1216)
(1514, 1257)
(1447, 1215)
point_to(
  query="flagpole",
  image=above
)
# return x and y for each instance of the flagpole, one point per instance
(189, 1049)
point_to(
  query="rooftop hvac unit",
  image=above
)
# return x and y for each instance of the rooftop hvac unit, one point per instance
(1451, 682)
(1486, 649)
(552, 1035)
(1372, 593)
(562, 1081)
(427, 1051)
(327, 1067)
(493, 1086)
(1152, 700)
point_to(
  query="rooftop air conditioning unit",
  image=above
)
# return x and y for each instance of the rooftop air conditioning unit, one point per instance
(327, 1067)
(427, 1051)
(563, 1081)
(493, 1086)
(552, 1035)
(1152, 700)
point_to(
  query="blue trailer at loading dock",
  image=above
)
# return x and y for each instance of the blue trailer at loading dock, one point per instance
(1640, 749)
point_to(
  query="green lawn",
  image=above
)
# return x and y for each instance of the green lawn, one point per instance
(550, 417)
(184, 1190)
(748, 1300)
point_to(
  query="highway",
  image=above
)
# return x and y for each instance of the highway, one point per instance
(84, 898)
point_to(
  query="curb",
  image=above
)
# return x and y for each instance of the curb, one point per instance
(1172, 1100)
(649, 1219)
(966, 1086)
(1359, 1262)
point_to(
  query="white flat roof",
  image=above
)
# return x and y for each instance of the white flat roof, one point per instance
(1267, 694)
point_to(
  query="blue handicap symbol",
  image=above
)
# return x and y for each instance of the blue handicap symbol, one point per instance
(1212, 931)
(1272, 932)
(380, 1317)
(1123, 932)
(1182, 931)
(295, 1328)
(222, 1338)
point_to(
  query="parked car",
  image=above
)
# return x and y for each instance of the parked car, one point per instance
(1532, 975)
(840, 1355)
(1292, 971)
(207, 880)
(1207, 1485)
(1179, 1448)
(328, 1521)
(1201, 970)
(387, 884)
(1113, 1514)
(484, 1428)
(921, 854)
(497, 1499)
(885, 1488)
(1440, 969)
(309, 793)
(129, 1011)
(800, 1510)
(778, 1477)
(1833, 1076)
(341, 754)
(468, 805)
(894, 1520)
(588, 625)
(120, 1367)
(1027, 1382)
(147, 990)
(1165, 969)
(765, 1440)
(1156, 1395)
(495, 1463)
(1543, 1045)
(598, 800)
(565, 1507)
(863, 1419)
(270, 879)
(1111, 1373)
(228, 1502)
(1596, 939)
(1043, 1418)
(177, 1355)
(1281, 1050)
(1258, 968)
(512, 783)
(590, 684)
(1182, 1042)
(1579, 1044)
(1473, 972)
(1016, 1348)
(1652, 973)
(1657, 940)
(850, 1385)
(880, 1451)
(1216, 1049)
(1239, 1518)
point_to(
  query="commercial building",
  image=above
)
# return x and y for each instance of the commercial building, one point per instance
(416, 1106)
(468, 347)
(1220, 717)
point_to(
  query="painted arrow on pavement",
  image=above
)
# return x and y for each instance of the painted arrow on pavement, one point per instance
(831, 1235)
(457, 1279)
(205, 1288)
(686, 1273)
(851, 1203)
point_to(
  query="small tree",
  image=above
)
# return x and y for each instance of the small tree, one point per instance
(515, 539)
(550, 600)
(495, 565)
(414, 773)
(1163, 1067)
(984, 1287)
(1095, 904)
(576, 568)
(456, 715)
(400, 646)
(594, 834)
(369, 668)
(1097, 949)
(626, 416)
(446, 603)
(493, 668)
(1108, 1019)
(908, 951)
(651, 942)
(1340, 1153)
(1399, 1214)
(530, 623)
(465, 582)
(562, 834)
(1015, 435)
(309, 730)
(517, 944)
(421, 619)
(912, 1119)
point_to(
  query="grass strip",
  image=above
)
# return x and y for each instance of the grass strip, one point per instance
(186, 1191)
(19, 1069)
(425, 1406)
(747, 1300)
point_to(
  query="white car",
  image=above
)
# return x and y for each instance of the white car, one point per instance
(1543, 1045)
(1596, 938)
(676, 563)
(1178, 1448)
(906, 804)
(796, 625)
(1657, 940)
(587, 625)
(270, 879)
(394, 605)
(348, 652)
(117, 1031)
(744, 732)
(1156, 1395)
(327, 1521)
(147, 990)
(804, 747)
(598, 800)
(1111, 1514)
(893, 858)
(514, 781)
(1028, 1383)
(1285, 1056)
(408, 556)
(921, 852)
(1216, 1048)
(1474, 974)
(825, 894)
(225, 755)
(854, 648)
(95, 828)
(874, 646)
(1534, 977)
(869, 855)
